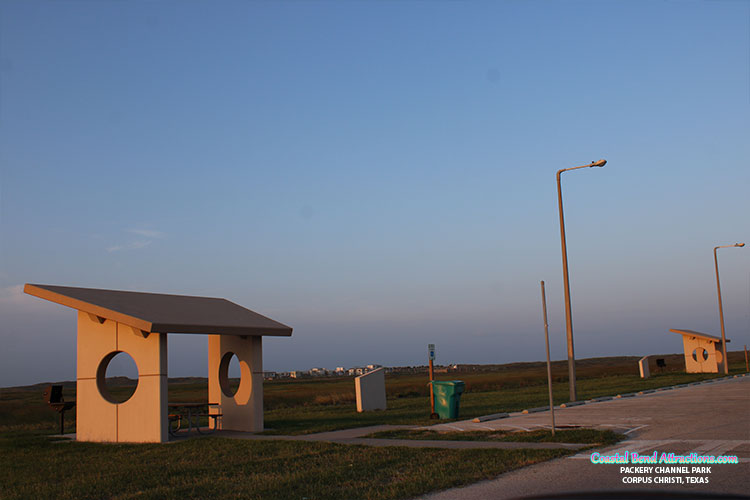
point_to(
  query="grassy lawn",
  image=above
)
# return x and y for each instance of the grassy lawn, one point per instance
(585, 436)
(323, 404)
(291, 407)
(415, 410)
(33, 466)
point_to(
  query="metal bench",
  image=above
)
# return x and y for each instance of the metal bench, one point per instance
(172, 418)
(54, 397)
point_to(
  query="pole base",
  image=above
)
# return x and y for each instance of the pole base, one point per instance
(434, 416)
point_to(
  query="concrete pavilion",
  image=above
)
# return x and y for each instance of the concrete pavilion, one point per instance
(114, 321)
(703, 352)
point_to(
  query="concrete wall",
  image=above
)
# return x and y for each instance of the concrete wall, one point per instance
(712, 364)
(143, 417)
(370, 389)
(643, 367)
(242, 411)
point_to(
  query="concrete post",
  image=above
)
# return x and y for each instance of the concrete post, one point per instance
(242, 411)
(143, 417)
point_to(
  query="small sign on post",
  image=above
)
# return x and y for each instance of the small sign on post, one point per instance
(431, 353)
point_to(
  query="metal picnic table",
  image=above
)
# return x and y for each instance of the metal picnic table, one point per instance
(190, 407)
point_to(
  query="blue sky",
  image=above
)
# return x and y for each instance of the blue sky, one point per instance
(378, 175)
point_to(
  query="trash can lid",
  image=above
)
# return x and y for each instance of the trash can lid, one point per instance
(448, 382)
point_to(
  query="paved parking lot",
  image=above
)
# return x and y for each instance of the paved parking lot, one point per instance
(706, 419)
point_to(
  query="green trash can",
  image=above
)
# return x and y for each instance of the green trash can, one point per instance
(447, 397)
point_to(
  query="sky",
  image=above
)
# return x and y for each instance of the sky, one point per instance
(378, 175)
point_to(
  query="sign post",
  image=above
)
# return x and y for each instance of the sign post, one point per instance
(431, 352)
(549, 365)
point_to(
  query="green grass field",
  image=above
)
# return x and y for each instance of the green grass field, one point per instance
(34, 465)
(321, 404)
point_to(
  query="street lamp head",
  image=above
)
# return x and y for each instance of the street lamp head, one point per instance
(599, 163)
(739, 245)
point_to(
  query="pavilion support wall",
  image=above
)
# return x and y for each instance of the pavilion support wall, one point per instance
(243, 410)
(143, 417)
(714, 363)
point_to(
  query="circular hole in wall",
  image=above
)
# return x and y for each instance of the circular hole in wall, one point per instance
(117, 377)
(700, 355)
(230, 375)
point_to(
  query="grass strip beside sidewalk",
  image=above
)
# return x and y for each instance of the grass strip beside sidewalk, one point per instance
(34, 466)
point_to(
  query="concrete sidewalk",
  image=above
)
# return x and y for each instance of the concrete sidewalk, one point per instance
(629, 416)
(706, 419)
(356, 437)
(632, 416)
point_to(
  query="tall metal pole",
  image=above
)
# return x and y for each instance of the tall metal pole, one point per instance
(566, 285)
(566, 282)
(432, 391)
(549, 365)
(721, 316)
(721, 308)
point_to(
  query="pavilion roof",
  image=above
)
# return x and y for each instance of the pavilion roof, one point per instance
(162, 313)
(692, 333)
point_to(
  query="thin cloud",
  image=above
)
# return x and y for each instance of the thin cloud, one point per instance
(146, 238)
(133, 245)
(14, 300)
(12, 295)
(147, 233)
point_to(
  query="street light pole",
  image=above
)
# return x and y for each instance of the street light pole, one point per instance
(568, 312)
(721, 308)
